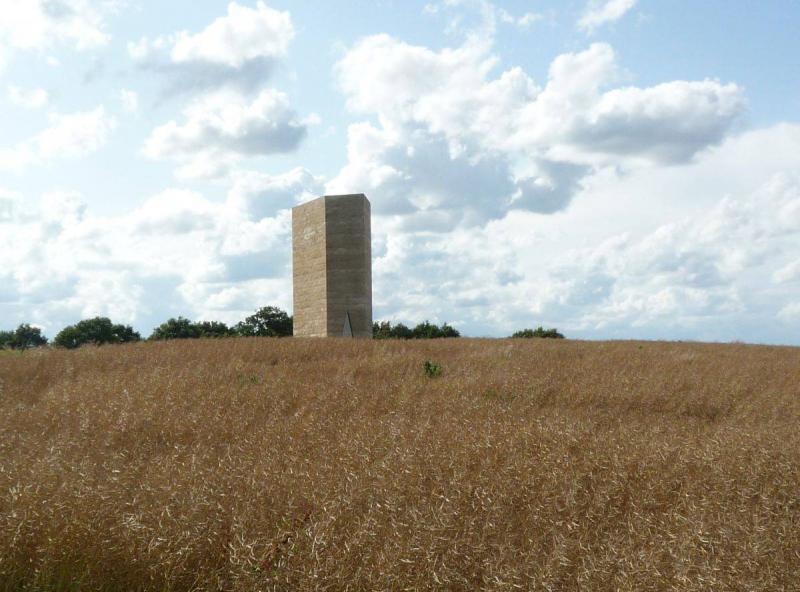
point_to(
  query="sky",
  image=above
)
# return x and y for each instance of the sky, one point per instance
(623, 169)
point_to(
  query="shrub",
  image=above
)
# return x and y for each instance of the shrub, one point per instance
(98, 331)
(539, 332)
(432, 369)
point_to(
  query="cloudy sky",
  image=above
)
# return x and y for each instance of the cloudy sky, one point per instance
(615, 168)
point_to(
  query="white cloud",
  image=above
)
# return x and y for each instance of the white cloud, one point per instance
(239, 49)
(69, 136)
(601, 12)
(528, 19)
(244, 34)
(512, 143)
(523, 22)
(44, 24)
(34, 98)
(223, 127)
(257, 195)
(725, 269)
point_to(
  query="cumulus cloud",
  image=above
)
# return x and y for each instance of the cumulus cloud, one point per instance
(44, 24)
(257, 195)
(223, 127)
(239, 49)
(725, 268)
(601, 12)
(176, 253)
(461, 144)
(34, 98)
(69, 135)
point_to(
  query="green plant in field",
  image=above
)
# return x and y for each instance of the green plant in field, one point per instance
(432, 369)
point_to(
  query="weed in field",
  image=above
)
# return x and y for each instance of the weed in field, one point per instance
(432, 369)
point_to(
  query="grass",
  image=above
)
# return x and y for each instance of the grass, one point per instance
(263, 464)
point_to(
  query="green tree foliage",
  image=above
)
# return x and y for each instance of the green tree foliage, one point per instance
(96, 331)
(539, 332)
(214, 329)
(5, 339)
(425, 330)
(179, 328)
(24, 337)
(269, 321)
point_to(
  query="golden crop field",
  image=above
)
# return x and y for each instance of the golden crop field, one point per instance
(265, 464)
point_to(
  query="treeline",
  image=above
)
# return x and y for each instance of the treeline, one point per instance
(425, 330)
(269, 321)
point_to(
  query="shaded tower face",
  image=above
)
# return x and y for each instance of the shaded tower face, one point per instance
(332, 267)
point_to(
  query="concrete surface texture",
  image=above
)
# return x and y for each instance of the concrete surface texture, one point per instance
(332, 267)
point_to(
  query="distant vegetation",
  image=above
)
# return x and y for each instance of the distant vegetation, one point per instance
(268, 321)
(24, 337)
(97, 331)
(539, 332)
(425, 330)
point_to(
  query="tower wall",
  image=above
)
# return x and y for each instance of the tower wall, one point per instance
(308, 269)
(332, 258)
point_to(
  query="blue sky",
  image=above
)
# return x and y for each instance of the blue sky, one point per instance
(618, 169)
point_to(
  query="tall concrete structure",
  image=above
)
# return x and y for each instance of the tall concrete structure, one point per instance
(332, 267)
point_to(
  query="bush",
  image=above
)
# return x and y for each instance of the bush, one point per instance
(97, 331)
(425, 330)
(24, 337)
(432, 369)
(269, 321)
(539, 332)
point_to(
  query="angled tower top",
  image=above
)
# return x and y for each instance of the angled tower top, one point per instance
(332, 267)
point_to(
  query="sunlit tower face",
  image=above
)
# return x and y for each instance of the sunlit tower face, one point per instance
(332, 267)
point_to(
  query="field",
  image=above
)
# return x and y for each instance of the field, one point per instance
(264, 464)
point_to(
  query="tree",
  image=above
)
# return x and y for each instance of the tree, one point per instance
(539, 332)
(96, 331)
(5, 339)
(213, 329)
(179, 328)
(269, 321)
(426, 330)
(25, 337)
(401, 331)
(448, 332)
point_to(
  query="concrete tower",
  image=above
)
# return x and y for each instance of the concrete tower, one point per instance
(332, 267)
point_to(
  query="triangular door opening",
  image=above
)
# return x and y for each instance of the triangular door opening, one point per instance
(348, 328)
